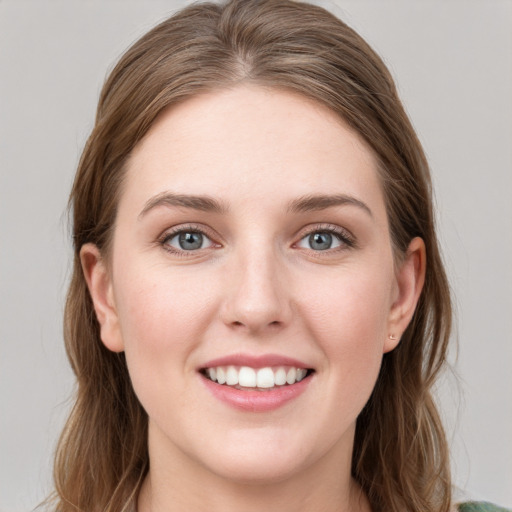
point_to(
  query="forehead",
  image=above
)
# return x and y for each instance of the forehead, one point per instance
(251, 142)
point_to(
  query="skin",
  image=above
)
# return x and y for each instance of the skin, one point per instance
(257, 286)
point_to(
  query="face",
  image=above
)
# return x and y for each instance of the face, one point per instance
(252, 245)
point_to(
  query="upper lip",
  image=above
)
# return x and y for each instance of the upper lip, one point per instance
(260, 361)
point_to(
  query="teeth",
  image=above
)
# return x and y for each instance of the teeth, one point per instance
(280, 377)
(263, 378)
(221, 375)
(301, 373)
(246, 377)
(231, 376)
(290, 376)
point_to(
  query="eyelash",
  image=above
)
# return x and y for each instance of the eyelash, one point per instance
(347, 240)
(190, 228)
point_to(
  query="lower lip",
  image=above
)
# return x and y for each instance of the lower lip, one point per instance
(256, 401)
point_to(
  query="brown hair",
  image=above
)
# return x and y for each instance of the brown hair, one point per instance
(400, 454)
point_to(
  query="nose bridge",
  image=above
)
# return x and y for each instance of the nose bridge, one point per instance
(257, 297)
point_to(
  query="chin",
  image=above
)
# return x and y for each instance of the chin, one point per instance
(264, 458)
(257, 470)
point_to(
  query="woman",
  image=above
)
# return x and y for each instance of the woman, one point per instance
(258, 309)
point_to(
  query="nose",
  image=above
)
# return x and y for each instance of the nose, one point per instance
(257, 298)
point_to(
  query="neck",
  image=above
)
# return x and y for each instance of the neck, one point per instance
(183, 486)
(251, 498)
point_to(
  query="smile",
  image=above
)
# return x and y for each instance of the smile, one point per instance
(262, 379)
(256, 384)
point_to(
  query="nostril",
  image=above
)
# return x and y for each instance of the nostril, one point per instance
(238, 323)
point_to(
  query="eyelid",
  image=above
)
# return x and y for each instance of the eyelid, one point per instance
(347, 239)
(170, 233)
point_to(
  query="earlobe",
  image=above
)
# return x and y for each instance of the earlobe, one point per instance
(99, 283)
(410, 277)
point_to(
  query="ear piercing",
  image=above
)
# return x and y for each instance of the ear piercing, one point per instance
(392, 337)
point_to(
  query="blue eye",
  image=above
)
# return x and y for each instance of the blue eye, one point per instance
(320, 241)
(188, 241)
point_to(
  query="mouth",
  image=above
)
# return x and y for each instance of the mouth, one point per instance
(247, 378)
(256, 383)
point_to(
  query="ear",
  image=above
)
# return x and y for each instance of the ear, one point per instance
(100, 287)
(410, 277)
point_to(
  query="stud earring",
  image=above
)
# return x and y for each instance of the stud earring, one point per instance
(392, 337)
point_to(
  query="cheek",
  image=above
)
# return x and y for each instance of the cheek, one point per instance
(348, 315)
(161, 319)
(161, 326)
(160, 308)
(352, 305)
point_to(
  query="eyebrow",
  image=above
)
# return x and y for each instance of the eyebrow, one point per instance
(323, 201)
(209, 204)
(202, 203)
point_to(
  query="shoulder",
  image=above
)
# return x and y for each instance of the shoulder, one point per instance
(480, 506)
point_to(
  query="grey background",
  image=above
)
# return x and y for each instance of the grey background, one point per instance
(453, 63)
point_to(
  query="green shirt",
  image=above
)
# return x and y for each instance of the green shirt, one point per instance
(480, 506)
